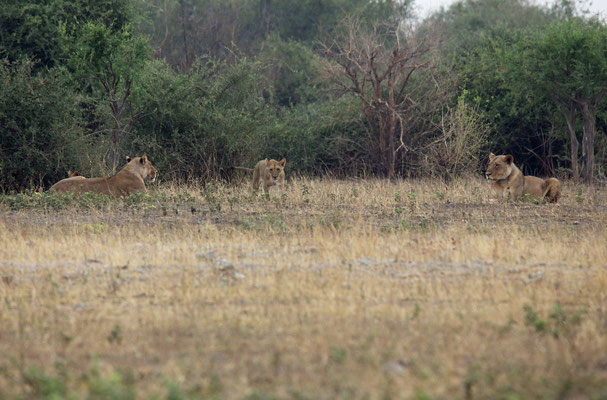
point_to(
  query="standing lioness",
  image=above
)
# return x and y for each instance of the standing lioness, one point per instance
(269, 173)
(508, 182)
(128, 181)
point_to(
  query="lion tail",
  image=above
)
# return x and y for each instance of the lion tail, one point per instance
(552, 190)
(245, 169)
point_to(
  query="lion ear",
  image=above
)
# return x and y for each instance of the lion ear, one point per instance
(143, 158)
(282, 162)
(128, 159)
(491, 156)
(509, 159)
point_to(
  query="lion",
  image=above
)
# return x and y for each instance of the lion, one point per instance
(128, 181)
(269, 173)
(508, 182)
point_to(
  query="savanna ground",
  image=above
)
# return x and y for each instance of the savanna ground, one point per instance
(358, 289)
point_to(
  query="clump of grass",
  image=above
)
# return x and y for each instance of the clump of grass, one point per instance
(43, 384)
(53, 201)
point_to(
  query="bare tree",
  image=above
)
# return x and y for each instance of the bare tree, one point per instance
(376, 65)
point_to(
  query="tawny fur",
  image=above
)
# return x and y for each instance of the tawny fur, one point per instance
(268, 173)
(73, 176)
(508, 182)
(128, 181)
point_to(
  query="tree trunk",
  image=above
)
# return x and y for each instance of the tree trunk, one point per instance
(589, 121)
(265, 16)
(185, 39)
(114, 147)
(391, 126)
(386, 144)
(118, 107)
(383, 144)
(390, 154)
(569, 114)
(391, 145)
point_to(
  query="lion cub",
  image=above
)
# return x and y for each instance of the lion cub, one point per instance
(508, 182)
(269, 173)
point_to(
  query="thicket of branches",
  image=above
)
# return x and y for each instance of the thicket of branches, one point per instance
(347, 87)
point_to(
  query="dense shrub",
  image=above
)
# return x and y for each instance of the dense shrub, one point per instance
(34, 29)
(41, 137)
(200, 124)
(291, 69)
(327, 136)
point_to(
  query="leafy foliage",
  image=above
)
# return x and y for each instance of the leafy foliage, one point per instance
(469, 24)
(103, 56)
(316, 138)
(108, 64)
(568, 62)
(525, 122)
(39, 117)
(197, 125)
(184, 30)
(568, 59)
(291, 69)
(34, 29)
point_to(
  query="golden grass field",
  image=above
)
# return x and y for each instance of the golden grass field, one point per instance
(338, 289)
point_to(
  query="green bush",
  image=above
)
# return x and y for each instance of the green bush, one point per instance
(33, 29)
(292, 71)
(44, 385)
(198, 125)
(317, 138)
(41, 135)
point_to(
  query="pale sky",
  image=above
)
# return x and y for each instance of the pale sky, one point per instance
(425, 7)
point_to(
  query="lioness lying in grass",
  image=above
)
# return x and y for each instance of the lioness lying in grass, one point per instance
(128, 181)
(508, 182)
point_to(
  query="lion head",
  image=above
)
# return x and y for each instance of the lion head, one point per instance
(275, 168)
(142, 166)
(500, 167)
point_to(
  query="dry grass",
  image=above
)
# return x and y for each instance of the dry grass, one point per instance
(338, 289)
